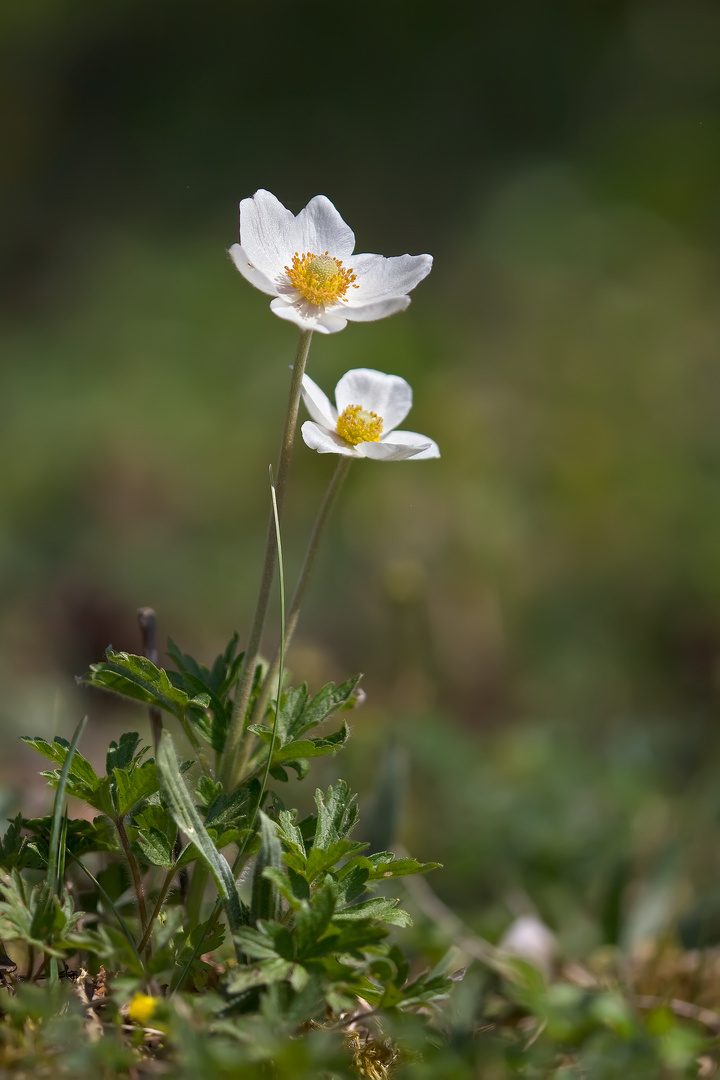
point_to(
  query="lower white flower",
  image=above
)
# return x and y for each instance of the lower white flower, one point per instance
(306, 263)
(370, 405)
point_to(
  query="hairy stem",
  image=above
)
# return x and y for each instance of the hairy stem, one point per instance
(228, 768)
(196, 893)
(158, 907)
(134, 870)
(338, 479)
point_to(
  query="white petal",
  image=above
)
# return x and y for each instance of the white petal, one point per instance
(253, 275)
(268, 233)
(379, 278)
(325, 322)
(378, 310)
(321, 229)
(317, 403)
(326, 442)
(387, 395)
(401, 445)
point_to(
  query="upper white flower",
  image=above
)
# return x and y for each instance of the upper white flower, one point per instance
(370, 405)
(306, 263)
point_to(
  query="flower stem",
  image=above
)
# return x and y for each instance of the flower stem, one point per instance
(338, 479)
(228, 766)
(158, 907)
(134, 870)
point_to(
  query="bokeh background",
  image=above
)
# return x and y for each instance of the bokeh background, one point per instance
(538, 613)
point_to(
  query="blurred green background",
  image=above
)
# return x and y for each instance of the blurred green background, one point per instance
(538, 613)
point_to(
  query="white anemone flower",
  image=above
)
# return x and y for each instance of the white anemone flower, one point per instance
(306, 263)
(368, 407)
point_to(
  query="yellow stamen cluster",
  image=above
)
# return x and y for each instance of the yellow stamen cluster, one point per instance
(357, 425)
(142, 1007)
(321, 279)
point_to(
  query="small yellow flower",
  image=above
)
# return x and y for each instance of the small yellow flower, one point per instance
(142, 1008)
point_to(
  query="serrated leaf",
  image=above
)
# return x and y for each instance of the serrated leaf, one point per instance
(337, 814)
(82, 780)
(262, 974)
(157, 834)
(289, 833)
(351, 936)
(137, 678)
(298, 715)
(353, 884)
(15, 852)
(320, 860)
(313, 919)
(423, 990)
(121, 755)
(380, 907)
(255, 943)
(82, 774)
(383, 864)
(134, 787)
(207, 791)
(81, 836)
(310, 748)
(216, 682)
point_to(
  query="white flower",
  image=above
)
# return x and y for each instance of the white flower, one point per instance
(306, 263)
(370, 405)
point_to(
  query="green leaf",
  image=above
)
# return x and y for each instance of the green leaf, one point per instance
(81, 836)
(37, 916)
(255, 943)
(383, 864)
(352, 884)
(216, 682)
(298, 715)
(133, 787)
(265, 900)
(320, 860)
(15, 850)
(351, 936)
(283, 884)
(157, 834)
(236, 809)
(309, 748)
(82, 781)
(289, 833)
(188, 819)
(137, 678)
(313, 919)
(81, 771)
(121, 755)
(422, 991)
(337, 814)
(380, 907)
(262, 974)
(400, 868)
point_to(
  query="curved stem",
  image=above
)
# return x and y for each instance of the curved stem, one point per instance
(338, 479)
(247, 672)
(134, 870)
(158, 907)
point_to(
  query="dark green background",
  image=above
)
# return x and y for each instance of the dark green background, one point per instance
(537, 614)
